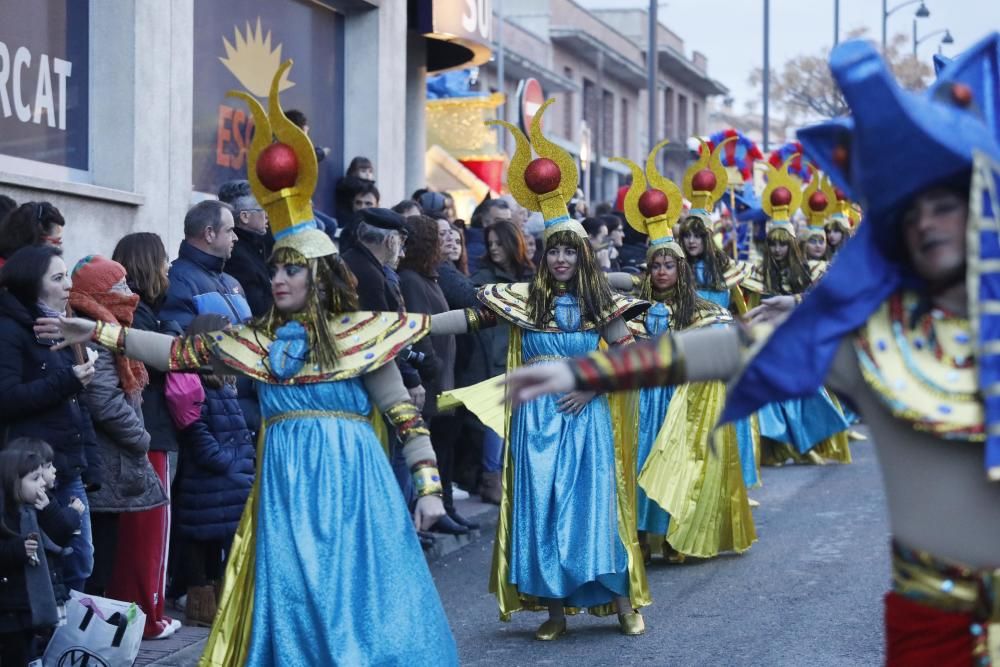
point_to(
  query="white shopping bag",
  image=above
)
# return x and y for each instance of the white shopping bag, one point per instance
(99, 632)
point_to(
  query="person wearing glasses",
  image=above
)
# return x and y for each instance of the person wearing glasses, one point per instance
(248, 262)
(31, 223)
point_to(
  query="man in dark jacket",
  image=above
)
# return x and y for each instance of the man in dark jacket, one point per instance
(198, 285)
(248, 263)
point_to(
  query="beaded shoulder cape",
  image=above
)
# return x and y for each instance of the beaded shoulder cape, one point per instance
(510, 302)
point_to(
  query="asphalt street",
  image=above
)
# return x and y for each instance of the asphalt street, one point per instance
(809, 592)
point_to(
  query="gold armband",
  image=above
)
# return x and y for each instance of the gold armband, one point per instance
(480, 318)
(426, 479)
(110, 336)
(407, 420)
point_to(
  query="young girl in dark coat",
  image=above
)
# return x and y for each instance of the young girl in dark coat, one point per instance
(216, 472)
(27, 602)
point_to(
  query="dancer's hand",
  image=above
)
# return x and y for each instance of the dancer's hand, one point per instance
(72, 330)
(428, 510)
(574, 402)
(418, 395)
(772, 310)
(529, 382)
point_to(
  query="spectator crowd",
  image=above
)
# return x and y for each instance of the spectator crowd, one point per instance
(123, 481)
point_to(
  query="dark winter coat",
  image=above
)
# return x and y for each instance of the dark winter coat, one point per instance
(377, 292)
(199, 286)
(458, 290)
(41, 396)
(423, 295)
(155, 416)
(15, 608)
(248, 265)
(484, 354)
(216, 469)
(475, 247)
(130, 483)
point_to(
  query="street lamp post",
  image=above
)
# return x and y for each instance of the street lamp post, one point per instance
(947, 39)
(921, 13)
(652, 60)
(767, 73)
(836, 22)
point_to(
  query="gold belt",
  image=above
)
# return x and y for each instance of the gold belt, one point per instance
(316, 414)
(952, 587)
(544, 358)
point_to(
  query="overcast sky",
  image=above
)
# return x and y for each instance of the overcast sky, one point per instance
(730, 32)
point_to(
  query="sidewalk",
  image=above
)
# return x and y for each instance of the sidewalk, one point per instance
(184, 648)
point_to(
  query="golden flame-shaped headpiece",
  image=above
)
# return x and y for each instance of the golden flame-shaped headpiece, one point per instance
(282, 170)
(653, 212)
(706, 179)
(781, 197)
(819, 202)
(546, 183)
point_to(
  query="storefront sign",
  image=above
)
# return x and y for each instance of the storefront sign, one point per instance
(238, 45)
(44, 81)
(466, 19)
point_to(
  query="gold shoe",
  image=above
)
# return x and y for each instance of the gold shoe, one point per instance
(671, 555)
(856, 435)
(551, 629)
(815, 458)
(753, 503)
(632, 624)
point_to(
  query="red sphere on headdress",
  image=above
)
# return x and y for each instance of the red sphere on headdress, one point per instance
(542, 176)
(703, 181)
(653, 203)
(961, 93)
(781, 196)
(277, 167)
(841, 195)
(818, 201)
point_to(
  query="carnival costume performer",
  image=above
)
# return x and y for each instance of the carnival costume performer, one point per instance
(792, 429)
(325, 568)
(841, 224)
(696, 501)
(905, 323)
(566, 537)
(718, 277)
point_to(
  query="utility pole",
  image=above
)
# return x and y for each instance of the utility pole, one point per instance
(836, 22)
(652, 58)
(767, 72)
(502, 133)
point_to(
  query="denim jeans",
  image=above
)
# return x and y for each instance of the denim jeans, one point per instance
(492, 460)
(78, 565)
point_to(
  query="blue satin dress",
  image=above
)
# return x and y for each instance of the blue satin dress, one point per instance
(802, 422)
(744, 430)
(564, 533)
(340, 576)
(653, 404)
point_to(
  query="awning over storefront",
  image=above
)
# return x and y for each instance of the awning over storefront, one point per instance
(457, 32)
(680, 68)
(586, 46)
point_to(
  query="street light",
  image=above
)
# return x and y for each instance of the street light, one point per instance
(921, 13)
(947, 39)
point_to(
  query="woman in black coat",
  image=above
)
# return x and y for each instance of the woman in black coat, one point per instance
(418, 281)
(41, 388)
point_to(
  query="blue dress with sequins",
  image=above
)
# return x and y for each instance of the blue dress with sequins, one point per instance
(744, 429)
(564, 533)
(653, 404)
(340, 577)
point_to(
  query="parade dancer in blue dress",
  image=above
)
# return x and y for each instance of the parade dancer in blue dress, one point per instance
(566, 537)
(325, 567)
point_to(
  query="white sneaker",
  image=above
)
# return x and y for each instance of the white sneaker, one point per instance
(458, 494)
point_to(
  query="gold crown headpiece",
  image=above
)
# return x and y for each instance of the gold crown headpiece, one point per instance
(653, 212)
(819, 202)
(706, 179)
(781, 197)
(282, 170)
(546, 183)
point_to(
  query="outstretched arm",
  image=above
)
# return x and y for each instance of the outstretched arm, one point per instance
(462, 320)
(691, 356)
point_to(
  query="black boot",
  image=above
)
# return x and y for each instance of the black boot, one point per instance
(449, 526)
(461, 520)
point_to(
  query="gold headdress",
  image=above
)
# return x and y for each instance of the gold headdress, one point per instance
(781, 197)
(706, 180)
(282, 170)
(819, 202)
(546, 183)
(653, 212)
